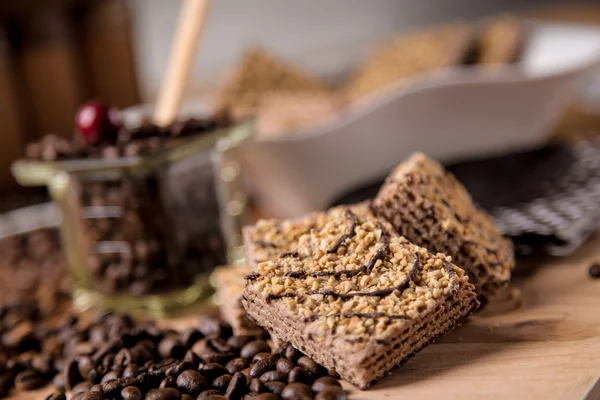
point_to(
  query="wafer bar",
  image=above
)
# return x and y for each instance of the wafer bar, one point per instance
(432, 209)
(357, 297)
(410, 55)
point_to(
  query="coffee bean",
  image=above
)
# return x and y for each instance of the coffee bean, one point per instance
(186, 397)
(212, 370)
(594, 270)
(297, 391)
(324, 382)
(237, 342)
(28, 380)
(275, 387)
(291, 353)
(298, 374)
(267, 396)
(273, 376)
(170, 346)
(57, 396)
(212, 327)
(81, 387)
(168, 382)
(210, 392)
(42, 364)
(59, 381)
(332, 373)
(216, 397)
(262, 366)
(130, 371)
(190, 336)
(131, 393)
(222, 382)
(78, 396)
(109, 376)
(246, 373)
(191, 382)
(253, 348)
(191, 357)
(236, 365)
(123, 357)
(256, 385)
(220, 345)
(72, 376)
(309, 365)
(114, 386)
(332, 393)
(284, 365)
(178, 368)
(84, 365)
(237, 387)
(163, 394)
(260, 356)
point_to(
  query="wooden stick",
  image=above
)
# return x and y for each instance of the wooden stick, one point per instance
(187, 35)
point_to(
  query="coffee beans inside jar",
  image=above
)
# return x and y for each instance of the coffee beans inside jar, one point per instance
(151, 228)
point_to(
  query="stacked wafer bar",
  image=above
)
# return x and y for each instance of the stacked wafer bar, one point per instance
(357, 297)
(432, 209)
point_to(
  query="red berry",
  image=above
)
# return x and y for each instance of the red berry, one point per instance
(96, 122)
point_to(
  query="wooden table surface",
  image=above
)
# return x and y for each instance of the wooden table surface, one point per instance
(543, 343)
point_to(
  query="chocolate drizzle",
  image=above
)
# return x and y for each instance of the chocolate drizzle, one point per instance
(377, 293)
(350, 234)
(451, 273)
(289, 254)
(252, 276)
(280, 296)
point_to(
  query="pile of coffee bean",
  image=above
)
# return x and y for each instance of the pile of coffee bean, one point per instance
(114, 357)
(33, 267)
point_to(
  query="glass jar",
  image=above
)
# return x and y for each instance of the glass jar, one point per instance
(144, 233)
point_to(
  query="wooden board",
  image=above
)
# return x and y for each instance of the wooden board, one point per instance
(541, 344)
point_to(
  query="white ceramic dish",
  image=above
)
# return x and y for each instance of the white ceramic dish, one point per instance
(449, 114)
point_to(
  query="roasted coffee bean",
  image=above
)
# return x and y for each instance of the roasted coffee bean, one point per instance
(72, 376)
(187, 397)
(253, 348)
(298, 374)
(84, 365)
(237, 342)
(170, 346)
(81, 387)
(273, 376)
(284, 366)
(57, 396)
(28, 380)
(217, 397)
(324, 382)
(212, 370)
(262, 366)
(210, 392)
(190, 336)
(131, 393)
(109, 376)
(275, 387)
(594, 270)
(212, 328)
(78, 396)
(309, 365)
(220, 345)
(18, 335)
(191, 382)
(106, 348)
(291, 353)
(123, 357)
(236, 365)
(260, 356)
(42, 364)
(222, 382)
(163, 394)
(237, 387)
(191, 357)
(256, 385)
(59, 381)
(168, 382)
(297, 391)
(332, 393)
(114, 386)
(96, 388)
(178, 368)
(267, 396)
(246, 372)
(130, 371)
